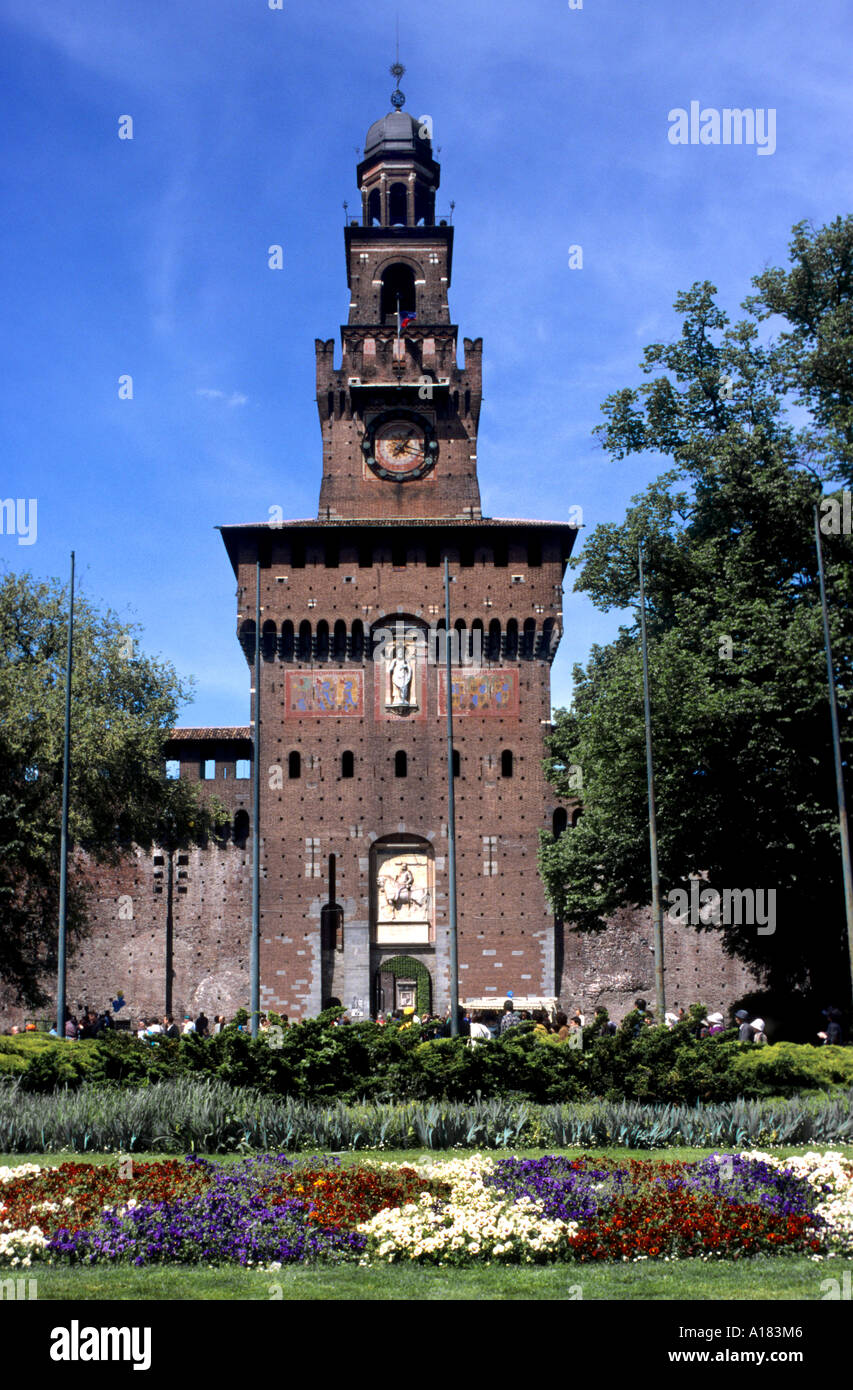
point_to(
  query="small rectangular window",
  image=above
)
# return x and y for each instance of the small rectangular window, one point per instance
(243, 769)
(209, 769)
(173, 770)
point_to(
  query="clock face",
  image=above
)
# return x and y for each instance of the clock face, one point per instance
(400, 447)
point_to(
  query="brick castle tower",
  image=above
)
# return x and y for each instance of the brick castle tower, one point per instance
(353, 819)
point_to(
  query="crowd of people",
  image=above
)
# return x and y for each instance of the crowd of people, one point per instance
(478, 1024)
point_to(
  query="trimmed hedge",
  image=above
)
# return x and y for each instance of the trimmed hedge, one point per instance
(315, 1061)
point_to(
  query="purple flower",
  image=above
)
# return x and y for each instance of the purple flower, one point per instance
(230, 1221)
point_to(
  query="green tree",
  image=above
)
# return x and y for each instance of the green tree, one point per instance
(123, 706)
(744, 773)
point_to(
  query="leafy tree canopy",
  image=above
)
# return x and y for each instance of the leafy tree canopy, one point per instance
(124, 705)
(744, 772)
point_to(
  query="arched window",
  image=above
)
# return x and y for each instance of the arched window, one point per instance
(294, 764)
(478, 645)
(322, 640)
(374, 207)
(247, 638)
(347, 763)
(401, 764)
(529, 641)
(304, 640)
(397, 209)
(424, 206)
(461, 640)
(576, 815)
(332, 927)
(495, 639)
(339, 644)
(287, 641)
(512, 639)
(241, 829)
(397, 281)
(439, 639)
(548, 644)
(456, 763)
(559, 821)
(358, 640)
(269, 640)
(506, 762)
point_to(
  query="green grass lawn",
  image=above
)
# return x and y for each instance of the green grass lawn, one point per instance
(423, 1155)
(781, 1277)
(774, 1278)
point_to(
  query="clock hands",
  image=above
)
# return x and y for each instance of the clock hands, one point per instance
(402, 446)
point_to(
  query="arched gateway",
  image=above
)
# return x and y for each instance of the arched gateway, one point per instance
(402, 918)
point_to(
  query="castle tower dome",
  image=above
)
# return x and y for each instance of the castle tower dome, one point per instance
(398, 176)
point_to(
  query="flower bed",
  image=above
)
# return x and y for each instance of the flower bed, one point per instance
(268, 1210)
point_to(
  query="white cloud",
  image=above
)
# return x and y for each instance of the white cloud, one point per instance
(212, 394)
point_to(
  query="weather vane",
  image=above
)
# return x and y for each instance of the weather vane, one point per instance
(398, 98)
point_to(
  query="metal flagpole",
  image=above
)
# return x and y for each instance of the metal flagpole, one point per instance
(451, 818)
(657, 916)
(63, 846)
(836, 749)
(255, 949)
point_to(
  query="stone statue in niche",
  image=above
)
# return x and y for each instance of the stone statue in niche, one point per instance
(401, 692)
(401, 678)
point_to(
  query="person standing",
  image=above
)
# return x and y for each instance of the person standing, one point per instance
(744, 1029)
(833, 1037)
(479, 1031)
(509, 1017)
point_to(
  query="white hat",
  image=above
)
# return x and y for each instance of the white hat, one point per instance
(758, 1025)
(715, 1018)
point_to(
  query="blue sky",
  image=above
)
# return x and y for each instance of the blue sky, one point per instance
(148, 256)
